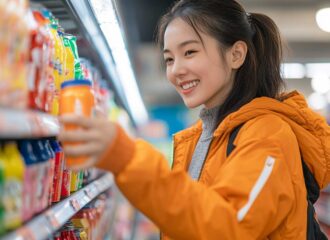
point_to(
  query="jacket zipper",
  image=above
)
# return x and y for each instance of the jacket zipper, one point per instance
(202, 168)
(173, 159)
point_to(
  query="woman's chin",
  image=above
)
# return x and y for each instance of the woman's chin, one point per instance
(191, 104)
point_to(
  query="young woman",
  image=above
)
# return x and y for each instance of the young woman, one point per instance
(227, 60)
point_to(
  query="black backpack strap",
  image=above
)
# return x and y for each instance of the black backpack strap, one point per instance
(232, 136)
(314, 231)
(313, 190)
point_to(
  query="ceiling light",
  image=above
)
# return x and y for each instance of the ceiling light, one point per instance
(317, 101)
(323, 19)
(293, 70)
(321, 84)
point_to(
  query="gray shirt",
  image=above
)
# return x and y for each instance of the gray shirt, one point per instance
(210, 120)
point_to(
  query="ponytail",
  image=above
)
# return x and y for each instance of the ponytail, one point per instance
(268, 53)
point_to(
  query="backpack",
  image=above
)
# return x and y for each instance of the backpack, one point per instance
(313, 191)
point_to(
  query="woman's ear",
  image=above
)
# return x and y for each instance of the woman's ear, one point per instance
(237, 54)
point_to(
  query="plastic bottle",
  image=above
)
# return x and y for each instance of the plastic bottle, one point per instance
(13, 187)
(66, 180)
(58, 171)
(76, 97)
(69, 73)
(51, 169)
(30, 177)
(2, 183)
(42, 183)
(74, 181)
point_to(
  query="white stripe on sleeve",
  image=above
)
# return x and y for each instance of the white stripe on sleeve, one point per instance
(266, 171)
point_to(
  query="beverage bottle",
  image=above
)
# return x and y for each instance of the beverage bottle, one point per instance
(13, 187)
(42, 183)
(50, 171)
(29, 183)
(77, 98)
(74, 181)
(58, 171)
(66, 180)
(2, 183)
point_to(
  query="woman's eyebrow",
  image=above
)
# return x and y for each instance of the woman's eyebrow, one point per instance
(181, 45)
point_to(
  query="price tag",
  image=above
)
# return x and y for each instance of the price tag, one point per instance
(26, 233)
(75, 204)
(52, 219)
(88, 193)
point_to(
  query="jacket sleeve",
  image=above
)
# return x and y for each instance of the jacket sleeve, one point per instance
(249, 198)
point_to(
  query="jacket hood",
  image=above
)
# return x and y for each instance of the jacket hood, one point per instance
(311, 129)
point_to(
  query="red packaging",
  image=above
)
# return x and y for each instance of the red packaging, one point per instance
(38, 61)
(66, 181)
(58, 171)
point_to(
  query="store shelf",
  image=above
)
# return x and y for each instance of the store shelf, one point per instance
(15, 124)
(51, 220)
(77, 18)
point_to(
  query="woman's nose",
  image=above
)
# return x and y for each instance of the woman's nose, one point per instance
(179, 68)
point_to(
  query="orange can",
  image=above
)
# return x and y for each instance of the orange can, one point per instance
(76, 97)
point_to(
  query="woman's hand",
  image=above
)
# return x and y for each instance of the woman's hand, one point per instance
(93, 134)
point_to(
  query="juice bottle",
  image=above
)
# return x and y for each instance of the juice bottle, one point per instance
(81, 179)
(76, 97)
(57, 65)
(70, 59)
(40, 201)
(66, 180)
(58, 171)
(78, 72)
(13, 187)
(29, 183)
(40, 51)
(50, 58)
(63, 59)
(51, 170)
(74, 181)
(2, 172)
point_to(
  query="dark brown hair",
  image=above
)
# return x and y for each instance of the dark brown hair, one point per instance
(227, 22)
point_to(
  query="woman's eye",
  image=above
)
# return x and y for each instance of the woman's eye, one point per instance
(168, 60)
(189, 52)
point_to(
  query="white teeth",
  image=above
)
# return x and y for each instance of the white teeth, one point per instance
(190, 85)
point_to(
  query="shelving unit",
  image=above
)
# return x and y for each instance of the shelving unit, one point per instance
(48, 222)
(16, 124)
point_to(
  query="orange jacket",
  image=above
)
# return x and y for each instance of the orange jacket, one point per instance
(258, 192)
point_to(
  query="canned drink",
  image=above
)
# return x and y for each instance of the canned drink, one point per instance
(76, 97)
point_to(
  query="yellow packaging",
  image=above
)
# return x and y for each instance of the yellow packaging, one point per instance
(62, 68)
(74, 181)
(13, 186)
(57, 58)
(69, 72)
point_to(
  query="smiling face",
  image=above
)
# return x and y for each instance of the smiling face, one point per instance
(195, 66)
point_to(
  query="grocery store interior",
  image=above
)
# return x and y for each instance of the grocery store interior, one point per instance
(111, 43)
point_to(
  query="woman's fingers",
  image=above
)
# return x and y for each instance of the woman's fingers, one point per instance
(78, 135)
(76, 120)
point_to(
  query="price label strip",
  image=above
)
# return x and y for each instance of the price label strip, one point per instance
(52, 220)
(26, 233)
(75, 204)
